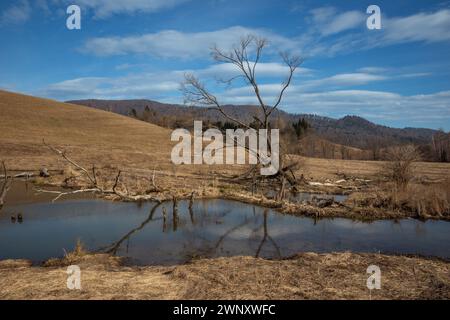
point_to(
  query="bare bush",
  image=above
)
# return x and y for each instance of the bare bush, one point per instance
(399, 168)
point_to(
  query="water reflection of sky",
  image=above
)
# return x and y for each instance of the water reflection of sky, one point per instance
(215, 228)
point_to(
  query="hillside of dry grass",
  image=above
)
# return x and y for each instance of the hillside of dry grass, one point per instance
(103, 138)
(90, 135)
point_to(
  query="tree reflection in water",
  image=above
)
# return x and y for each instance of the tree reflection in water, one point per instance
(209, 247)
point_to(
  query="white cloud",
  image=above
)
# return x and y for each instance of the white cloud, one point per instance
(329, 21)
(378, 106)
(225, 71)
(345, 79)
(106, 8)
(322, 15)
(148, 85)
(16, 14)
(177, 44)
(338, 81)
(133, 86)
(427, 27)
(373, 70)
(323, 37)
(22, 10)
(314, 96)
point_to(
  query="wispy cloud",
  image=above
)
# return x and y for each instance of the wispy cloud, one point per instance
(378, 106)
(177, 44)
(338, 81)
(132, 86)
(373, 70)
(332, 96)
(426, 27)
(329, 21)
(107, 8)
(101, 9)
(330, 32)
(151, 84)
(16, 14)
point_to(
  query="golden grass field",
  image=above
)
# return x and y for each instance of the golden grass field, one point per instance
(111, 141)
(93, 136)
(107, 139)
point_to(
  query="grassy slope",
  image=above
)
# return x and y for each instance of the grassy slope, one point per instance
(98, 137)
(88, 134)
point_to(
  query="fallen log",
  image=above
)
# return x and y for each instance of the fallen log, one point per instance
(19, 175)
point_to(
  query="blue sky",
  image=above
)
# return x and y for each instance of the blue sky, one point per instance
(397, 76)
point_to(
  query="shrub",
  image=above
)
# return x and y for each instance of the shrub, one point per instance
(399, 165)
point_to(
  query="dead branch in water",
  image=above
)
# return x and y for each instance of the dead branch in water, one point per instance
(267, 237)
(6, 185)
(19, 175)
(112, 249)
(76, 165)
(95, 187)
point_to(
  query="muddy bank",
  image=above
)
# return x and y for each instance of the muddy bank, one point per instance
(334, 210)
(363, 206)
(305, 276)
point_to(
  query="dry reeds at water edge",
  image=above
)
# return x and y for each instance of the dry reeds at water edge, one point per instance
(424, 201)
(70, 257)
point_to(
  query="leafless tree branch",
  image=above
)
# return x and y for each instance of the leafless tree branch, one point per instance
(95, 188)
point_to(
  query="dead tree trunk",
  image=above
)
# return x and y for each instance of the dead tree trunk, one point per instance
(5, 186)
(191, 200)
(164, 219)
(175, 213)
(245, 57)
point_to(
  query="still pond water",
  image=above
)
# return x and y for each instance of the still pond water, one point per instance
(212, 228)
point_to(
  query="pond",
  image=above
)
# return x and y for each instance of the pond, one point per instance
(213, 228)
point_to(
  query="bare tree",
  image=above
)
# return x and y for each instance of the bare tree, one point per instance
(240, 57)
(245, 57)
(441, 146)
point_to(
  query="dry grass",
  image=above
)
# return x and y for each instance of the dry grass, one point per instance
(69, 257)
(427, 201)
(424, 200)
(306, 276)
(91, 136)
(106, 139)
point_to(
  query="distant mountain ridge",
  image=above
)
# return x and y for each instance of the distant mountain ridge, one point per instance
(352, 131)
